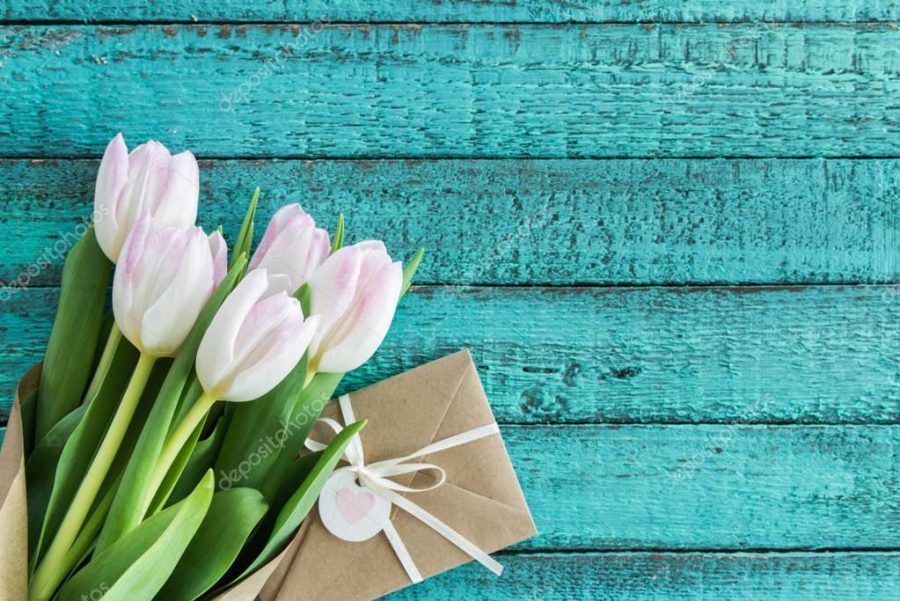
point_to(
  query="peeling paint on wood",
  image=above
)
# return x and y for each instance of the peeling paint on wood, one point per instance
(820, 354)
(455, 90)
(559, 222)
(464, 11)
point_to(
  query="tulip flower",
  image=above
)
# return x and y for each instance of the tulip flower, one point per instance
(355, 293)
(162, 282)
(148, 181)
(163, 279)
(255, 339)
(292, 245)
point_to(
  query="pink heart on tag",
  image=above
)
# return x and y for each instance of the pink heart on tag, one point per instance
(354, 504)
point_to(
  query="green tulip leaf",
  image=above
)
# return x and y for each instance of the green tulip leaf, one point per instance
(245, 237)
(79, 448)
(40, 470)
(299, 504)
(137, 565)
(307, 407)
(258, 431)
(202, 458)
(337, 242)
(75, 333)
(131, 502)
(409, 270)
(232, 516)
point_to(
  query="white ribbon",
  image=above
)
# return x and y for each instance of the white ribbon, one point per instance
(375, 477)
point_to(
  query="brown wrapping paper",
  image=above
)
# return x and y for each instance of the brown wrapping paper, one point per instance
(481, 499)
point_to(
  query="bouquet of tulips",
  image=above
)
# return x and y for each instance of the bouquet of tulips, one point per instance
(164, 463)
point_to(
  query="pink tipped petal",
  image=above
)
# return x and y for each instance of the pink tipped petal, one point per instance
(218, 249)
(173, 311)
(333, 288)
(216, 352)
(111, 179)
(176, 204)
(276, 363)
(291, 246)
(367, 325)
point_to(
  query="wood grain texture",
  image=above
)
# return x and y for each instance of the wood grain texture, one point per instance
(558, 222)
(465, 11)
(655, 576)
(708, 487)
(819, 354)
(454, 90)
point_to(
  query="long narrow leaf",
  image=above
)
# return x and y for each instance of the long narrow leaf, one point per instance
(245, 237)
(130, 504)
(258, 430)
(80, 447)
(306, 410)
(40, 470)
(409, 270)
(231, 518)
(75, 332)
(202, 459)
(137, 565)
(298, 506)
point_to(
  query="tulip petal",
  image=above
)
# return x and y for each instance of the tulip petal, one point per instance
(364, 328)
(218, 248)
(280, 357)
(176, 204)
(111, 179)
(170, 317)
(333, 287)
(217, 349)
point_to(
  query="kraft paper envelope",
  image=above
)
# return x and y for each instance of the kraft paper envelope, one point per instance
(481, 498)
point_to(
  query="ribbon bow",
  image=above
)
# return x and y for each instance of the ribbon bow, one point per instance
(376, 478)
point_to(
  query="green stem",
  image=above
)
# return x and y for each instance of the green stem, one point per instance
(52, 569)
(175, 443)
(109, 351)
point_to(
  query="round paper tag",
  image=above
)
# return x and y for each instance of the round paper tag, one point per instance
(351, 512)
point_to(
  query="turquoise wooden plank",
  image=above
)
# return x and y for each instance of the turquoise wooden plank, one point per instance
(455, 90)
(817, 354)
(559, 222)
(547, 11)
(721, 487)
(681, 576)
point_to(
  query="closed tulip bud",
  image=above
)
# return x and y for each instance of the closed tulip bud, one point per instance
(163, 279)
(255, 339)
(355, 293)
(148, 181)
(292, 246)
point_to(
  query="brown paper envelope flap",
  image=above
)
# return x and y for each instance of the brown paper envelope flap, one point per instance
(409, 408)
(482, 500)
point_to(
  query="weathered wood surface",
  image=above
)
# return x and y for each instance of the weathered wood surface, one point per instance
(559, 222)
(464, 11)
(556, 355)
(708, 487)
(655, 576)
(455, 90)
